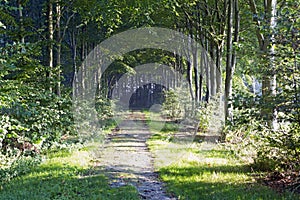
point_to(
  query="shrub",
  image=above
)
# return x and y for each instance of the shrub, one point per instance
(172, 107)
(11, 167)
(178, 104)
(104, 107)
(36, 116)
(268, 149)
(280, 150)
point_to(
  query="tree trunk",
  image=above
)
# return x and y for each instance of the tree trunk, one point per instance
(74, 55)
(218, 69)
(21, 21)
(229, 67)
(50, 42)
(233, 8)
(212, 66)
(196, 73)
(58, 50)
(208, 78)
(273, 82)
(267, 50)
(190, 79)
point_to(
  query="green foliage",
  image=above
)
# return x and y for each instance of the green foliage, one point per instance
(287, 63)
(280, 149)
(178, 103)
(11, 167)
(242, 136)
(45, 118)
(32, 118)
(31, 113)
(104, 107)
(172, 107)
(170, 127)
(64, 177)
(208, 174)
(204, 115)
(268, 149)
(243, 97)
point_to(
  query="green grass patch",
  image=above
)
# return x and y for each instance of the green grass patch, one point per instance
(107, 125)
(170, 127)
(59, 153)
(65, 175)
(157, 123)
(208, 174)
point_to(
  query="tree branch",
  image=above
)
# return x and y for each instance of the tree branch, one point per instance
(259, 35)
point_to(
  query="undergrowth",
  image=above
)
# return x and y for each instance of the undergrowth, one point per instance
(64, 175)
(208, 174)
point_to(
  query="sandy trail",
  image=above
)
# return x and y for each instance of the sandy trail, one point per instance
(127, 161)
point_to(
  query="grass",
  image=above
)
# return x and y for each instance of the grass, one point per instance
(189, 171)
(107, 125)
(157, 123)
(65, 175)
(207, 174)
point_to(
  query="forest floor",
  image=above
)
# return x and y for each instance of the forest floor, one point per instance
(126, 159)
(139, 160)
(163, 161)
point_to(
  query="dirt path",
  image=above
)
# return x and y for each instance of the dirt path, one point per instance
(127, 161)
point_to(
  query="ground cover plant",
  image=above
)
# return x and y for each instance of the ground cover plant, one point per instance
(210, 174)
(65, 175)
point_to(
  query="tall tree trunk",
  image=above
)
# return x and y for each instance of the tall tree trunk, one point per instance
(229, 67)
(212, 66)
(50, 42)
(196, 56)
(208, 78)
(269, 78)
(196, 71)
(218, 68)
(58, 50)
(233, 13)
(21, 21)
(233, 8)
(190, 79)
(220, 42)
(273, 82)
(74, 55)
(189, 55)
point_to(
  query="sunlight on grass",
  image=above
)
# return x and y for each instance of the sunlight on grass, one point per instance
(65, 175)
(77, 158)
(207, 174)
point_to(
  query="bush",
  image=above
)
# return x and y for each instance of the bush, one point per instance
(104, 107)
(210, 116)
(178, 104)
(280, 150)
(11, 167)
(268, 149)
(172, 107)
(35, 116)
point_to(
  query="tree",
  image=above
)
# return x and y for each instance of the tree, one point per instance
(233, 13)
(50, 34)
(266, 48)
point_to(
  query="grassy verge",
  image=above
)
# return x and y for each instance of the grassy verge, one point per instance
(207, 174)
(65, 175)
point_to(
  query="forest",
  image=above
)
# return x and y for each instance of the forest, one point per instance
(225, 73)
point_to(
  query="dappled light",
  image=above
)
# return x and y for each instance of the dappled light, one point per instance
(156, 99)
